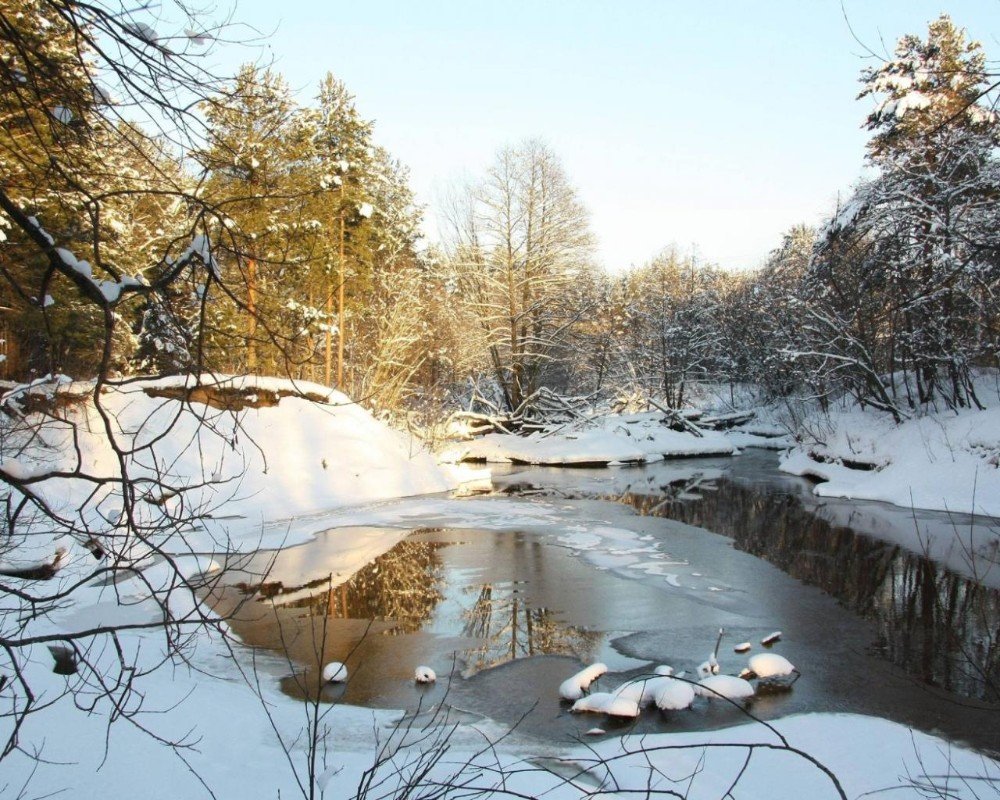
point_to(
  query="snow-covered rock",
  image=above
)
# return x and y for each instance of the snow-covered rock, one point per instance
(770, 665)
(335, 672)
(674, 695)
(607, 703)
(726, 686)
(424, 675)
(574, 688)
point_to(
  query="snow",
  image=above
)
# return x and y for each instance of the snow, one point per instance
(238, 755)
(607, 703)
(286, 496)
(728, 687)
(17, 470)
(611, 440)
(201, 246)
(298, 458)
(574, 688)
(770, 665)
(668, 693)
(335, 672)
(77, 265)
(943, 461)
(675, 695)
(424, 675)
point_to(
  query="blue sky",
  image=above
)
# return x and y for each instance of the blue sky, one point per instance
(716, 125)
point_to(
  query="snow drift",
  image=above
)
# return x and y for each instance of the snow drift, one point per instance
(230, 454)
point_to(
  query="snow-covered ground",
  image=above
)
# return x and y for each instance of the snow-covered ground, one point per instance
(945, 461)
(609, 440)
(240, 471)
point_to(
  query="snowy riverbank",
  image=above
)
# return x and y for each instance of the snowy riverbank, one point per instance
(610, 440)
(238, 735)
(943, 461)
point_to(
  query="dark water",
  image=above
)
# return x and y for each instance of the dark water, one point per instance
(939, 624)
(505, 617)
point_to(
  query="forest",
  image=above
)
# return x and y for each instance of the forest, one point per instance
(310, 261)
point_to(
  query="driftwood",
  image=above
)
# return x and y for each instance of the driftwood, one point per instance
(721, 422)
(540, 410)
(676, 420)
(36, 572)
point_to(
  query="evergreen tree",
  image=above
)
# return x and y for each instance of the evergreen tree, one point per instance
(922, 236)
(259, 161)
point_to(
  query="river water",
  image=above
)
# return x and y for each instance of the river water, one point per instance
(504, 617)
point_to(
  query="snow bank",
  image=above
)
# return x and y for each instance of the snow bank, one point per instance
(610, 440)
(239, 468)
(943, 462)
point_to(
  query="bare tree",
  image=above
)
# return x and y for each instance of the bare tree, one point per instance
(520, 242)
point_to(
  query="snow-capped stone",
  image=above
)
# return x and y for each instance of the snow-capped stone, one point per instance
(575, 687)
(674, 695)
(643, 690)
(424, 675)
(770, 665)
(335, 672)
(606, 703)
(727, 686)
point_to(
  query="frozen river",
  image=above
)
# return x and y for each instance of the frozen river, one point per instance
(639, 567)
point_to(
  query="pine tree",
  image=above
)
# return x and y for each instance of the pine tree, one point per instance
(921, 237)
(260, 165)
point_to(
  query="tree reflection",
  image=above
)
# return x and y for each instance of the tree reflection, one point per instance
(405, 587)
(503, 618)
(934, 623)
(402, 585)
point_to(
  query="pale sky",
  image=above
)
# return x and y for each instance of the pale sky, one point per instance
(716, 125)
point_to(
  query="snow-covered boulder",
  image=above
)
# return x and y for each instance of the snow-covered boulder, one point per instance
(724, 686)
(674, 695)
(770, 665)
(607, 703)
(575, 687)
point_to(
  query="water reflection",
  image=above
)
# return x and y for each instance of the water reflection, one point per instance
(503, 620)
(934, 623)
(402, 586)
(419, 599)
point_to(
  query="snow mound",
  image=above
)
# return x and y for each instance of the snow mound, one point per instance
(725, 686)
(424, 675)
(235, 454)
(675, 696)
(334, 672)
(575, 687)
(770, 665)
(607, 703)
